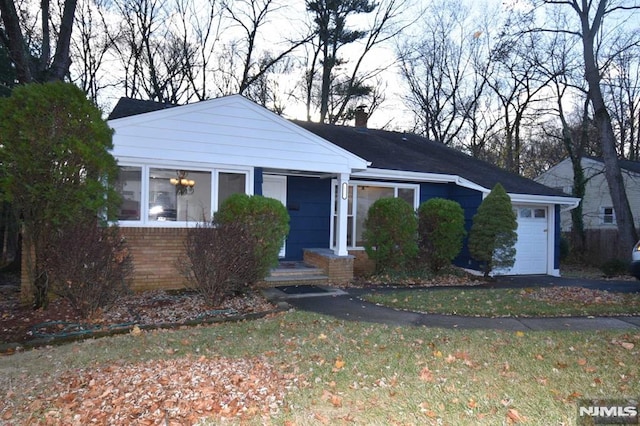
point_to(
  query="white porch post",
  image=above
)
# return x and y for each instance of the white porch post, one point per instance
(341, 222)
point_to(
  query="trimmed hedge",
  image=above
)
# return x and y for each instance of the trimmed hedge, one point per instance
(390, 230)
(440, 232)
(266, 221)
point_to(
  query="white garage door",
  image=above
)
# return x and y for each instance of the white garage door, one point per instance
(532, 244)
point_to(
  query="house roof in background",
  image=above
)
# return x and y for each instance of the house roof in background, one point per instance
(127, 107)
(392, 151)
(632, 166)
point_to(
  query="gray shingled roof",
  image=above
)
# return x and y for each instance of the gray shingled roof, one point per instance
(392, 151)
(409, 152)
(127, 107)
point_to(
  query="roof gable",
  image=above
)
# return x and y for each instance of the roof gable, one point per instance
(230, 131)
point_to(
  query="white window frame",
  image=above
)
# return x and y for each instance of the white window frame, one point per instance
(604, 215)
(144, 188)
(353, 184)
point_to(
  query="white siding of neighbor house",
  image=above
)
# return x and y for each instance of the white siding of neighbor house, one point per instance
(596, 192)
(229, 131)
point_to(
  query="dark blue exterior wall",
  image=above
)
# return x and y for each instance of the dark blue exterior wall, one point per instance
(309, 206)
(556, 238)
(469, 199)
(257, 180)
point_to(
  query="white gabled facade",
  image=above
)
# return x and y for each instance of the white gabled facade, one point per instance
(230, 131)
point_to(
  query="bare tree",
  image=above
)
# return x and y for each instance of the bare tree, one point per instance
(202, 31)
(89, 48)
(250, 16)
(592, 17)
(621, 88)
(43, 68)
(517, 82)
(439, 67)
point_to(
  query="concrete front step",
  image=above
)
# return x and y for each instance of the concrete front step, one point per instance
(291, 273)
(300, 280)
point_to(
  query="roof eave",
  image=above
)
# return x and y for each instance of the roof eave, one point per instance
(567, 203)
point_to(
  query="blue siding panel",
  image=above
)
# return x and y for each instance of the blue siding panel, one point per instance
(309, 206)
(257, 180)
(557, 233)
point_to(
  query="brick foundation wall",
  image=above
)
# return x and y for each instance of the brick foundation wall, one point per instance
(155, 252)
(362, 265)
(339, 269)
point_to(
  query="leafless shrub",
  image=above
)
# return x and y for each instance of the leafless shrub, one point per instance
(219, 260)
(89, 265)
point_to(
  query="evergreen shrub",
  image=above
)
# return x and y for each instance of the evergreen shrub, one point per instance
(440, 232)
(265, 220)
(390, 231)
(493, 234)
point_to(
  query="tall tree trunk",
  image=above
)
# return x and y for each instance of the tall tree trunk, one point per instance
(16, 45)
(626, 230)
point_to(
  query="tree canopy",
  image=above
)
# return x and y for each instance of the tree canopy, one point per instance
(55, 164)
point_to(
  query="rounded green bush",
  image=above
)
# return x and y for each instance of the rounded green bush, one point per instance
(265, 219)
(440, 231)
(390, 234)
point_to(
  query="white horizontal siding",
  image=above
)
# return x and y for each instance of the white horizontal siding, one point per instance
(230, 131)
(597, 193)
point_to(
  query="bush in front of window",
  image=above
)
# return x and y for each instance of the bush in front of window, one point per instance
(266, 220)
(440, 232)
(390, 234)
(89, 265)
(219, 260)
(493, 234)
(55, 165)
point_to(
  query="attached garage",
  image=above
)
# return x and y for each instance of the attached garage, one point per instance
(532, 247)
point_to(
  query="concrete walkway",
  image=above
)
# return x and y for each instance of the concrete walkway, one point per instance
(346, 304)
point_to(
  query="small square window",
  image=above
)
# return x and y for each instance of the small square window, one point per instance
(607, 216)
(539, 213)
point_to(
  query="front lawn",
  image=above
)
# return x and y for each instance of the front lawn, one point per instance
(539, 301)
(297, 368)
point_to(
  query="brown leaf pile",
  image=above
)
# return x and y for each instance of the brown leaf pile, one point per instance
(159, 392)
(574, 294)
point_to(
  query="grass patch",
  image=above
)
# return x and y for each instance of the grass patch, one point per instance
(360, 373)
(539, 302)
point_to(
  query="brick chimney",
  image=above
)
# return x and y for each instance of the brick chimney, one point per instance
(361, 116)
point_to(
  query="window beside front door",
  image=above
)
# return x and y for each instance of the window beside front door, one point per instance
(361, 196)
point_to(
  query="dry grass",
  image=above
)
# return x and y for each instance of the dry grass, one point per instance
(358, 373)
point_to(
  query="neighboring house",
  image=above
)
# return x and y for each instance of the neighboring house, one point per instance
(326, 175)
(597, 208)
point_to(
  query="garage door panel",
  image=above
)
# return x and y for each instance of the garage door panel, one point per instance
(532, 243)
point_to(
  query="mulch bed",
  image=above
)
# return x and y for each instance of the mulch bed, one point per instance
(21, 324)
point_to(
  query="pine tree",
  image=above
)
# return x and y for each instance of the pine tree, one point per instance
(493, 234)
